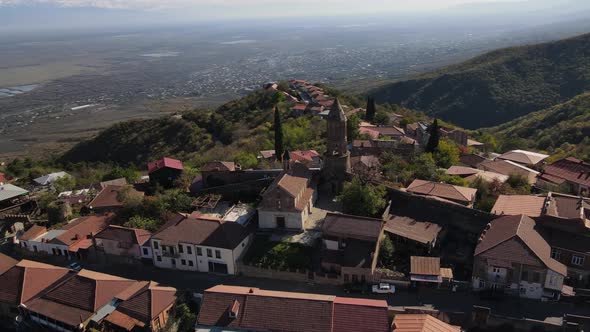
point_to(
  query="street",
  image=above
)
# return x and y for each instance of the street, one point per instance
(442, 300)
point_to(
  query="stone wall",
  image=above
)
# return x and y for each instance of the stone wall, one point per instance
(296, 275)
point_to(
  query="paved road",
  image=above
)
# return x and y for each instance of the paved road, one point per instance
(440, 299)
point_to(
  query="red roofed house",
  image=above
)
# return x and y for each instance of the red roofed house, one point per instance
(25, 280)
(83, 299)
(3, 178)
(252, 309)
(421, 323)
(200, 244)
(299, 109)
(147, 309)
(512, 256)
(165, 171)
(572, 173)
(311, 158)
(457, 194)
(288, 200)
(123, 241)
(112, 198)
(6, 263)
(72, 240)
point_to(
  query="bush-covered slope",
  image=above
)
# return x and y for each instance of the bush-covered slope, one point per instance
(564, 127)
(498, 86)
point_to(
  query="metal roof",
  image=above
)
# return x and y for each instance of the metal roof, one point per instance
(9, 191)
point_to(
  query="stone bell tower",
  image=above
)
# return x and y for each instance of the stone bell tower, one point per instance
(337, 159)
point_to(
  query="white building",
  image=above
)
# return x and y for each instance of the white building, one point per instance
(200, 244)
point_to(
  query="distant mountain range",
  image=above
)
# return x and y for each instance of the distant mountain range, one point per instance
(498, 86)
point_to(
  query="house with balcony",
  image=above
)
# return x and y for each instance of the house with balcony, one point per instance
(199, 243)
(512, 257)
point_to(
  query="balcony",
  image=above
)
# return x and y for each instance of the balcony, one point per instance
(171, 255)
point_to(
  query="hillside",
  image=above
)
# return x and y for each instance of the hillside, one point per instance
(237, 131)
(498, 86)
(563, 129)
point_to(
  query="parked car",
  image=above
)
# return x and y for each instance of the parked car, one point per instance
(384, 288)
(75, 266)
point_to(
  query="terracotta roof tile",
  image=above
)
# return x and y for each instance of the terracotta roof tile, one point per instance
(443, 190)
(26, 279)
(420, 231)
(34, 232)
(125, 234)
(6, 263)
(79, 229)
(529, 205)
(227, 235)
(522, 227)
(429, 266)
(421, 323)
(568, 169)
(352, 227)
(147, 303)
(353, 315)
(219, 166)
(507, 167)
(165, 163)
(110, 196)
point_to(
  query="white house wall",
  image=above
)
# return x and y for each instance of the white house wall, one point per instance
(293, 220)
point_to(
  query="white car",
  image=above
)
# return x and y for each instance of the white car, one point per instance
(384, 288)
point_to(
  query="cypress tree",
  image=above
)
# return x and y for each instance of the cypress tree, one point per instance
(371, 109)
(279, 150)
(434, 138)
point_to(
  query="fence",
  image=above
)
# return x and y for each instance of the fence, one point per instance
(294, 275)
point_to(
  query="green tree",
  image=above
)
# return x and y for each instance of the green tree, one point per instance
(371, 109)
(386, 251)
(246, 160)
(425, 167)
(446, 154)
(130, 174)
(362, 199)
(382, 118)
(186, 318)
(176, 200)
(352, 127)
(434, 137)
(65, 183)
(279, 148)
(140, 222)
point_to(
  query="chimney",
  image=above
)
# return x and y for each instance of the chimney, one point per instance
(234, 310)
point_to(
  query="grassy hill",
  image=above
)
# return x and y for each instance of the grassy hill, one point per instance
(498, 86)
(563, 129)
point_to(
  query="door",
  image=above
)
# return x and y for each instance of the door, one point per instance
(217, 267)
(280, 222)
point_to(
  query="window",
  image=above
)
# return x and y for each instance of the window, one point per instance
(578, 260)
(524, 276)
(173, 261)
(482, 283)
(172, 250)
(556, 254)
(159, 258)
(190, 263)
(24, 244)
(180, 249)
(145, 251)
(183, 262)
(189, 250)
(217, 254)
(522, 290)
(199, 251)
(496, 269)
(156, 245)
(209, 253)
(536, 277)
(346, 277)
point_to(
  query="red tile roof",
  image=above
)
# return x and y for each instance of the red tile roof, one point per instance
(353, 315)
(419, 231)
(79, 297)
(219, 166)
(34, 232)
(286, 311)
(26, 279)
(303, 155)
(125, 234)
(227, 235)
(81, 228)
(568, 169)
(444, 190)
(110, 196)
(529, 205)
(352, 227)
(165, 163)
(429, 266)
(522, 227)
(421, 323)
(149, 302)
(6, 263)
